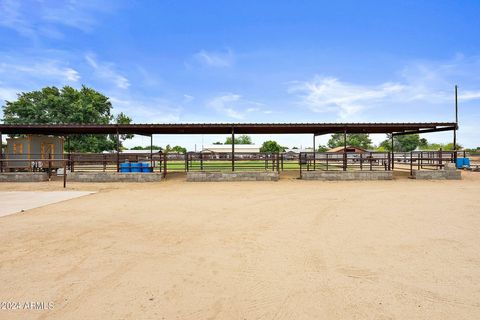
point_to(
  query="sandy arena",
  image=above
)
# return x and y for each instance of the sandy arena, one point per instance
(401, 249)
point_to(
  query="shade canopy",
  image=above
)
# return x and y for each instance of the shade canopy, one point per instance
(228, 128)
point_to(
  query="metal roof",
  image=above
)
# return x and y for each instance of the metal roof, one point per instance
(226, 128)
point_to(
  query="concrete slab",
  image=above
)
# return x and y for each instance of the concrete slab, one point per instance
(16, 201)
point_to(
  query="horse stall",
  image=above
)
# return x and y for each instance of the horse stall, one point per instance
(39, 152)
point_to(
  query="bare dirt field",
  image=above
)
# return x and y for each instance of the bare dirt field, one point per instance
(292, 249)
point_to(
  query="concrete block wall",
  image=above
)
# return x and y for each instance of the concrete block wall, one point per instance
(23, 176)
(437, 174)
(346, 175)
(202, 176)
(113, 177)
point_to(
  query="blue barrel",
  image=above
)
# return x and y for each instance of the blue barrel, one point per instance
(460, 162)
(146, 167)
(466, 162)
(135, 167)
(125, 167)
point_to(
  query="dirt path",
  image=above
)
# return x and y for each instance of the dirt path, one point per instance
(292, 249)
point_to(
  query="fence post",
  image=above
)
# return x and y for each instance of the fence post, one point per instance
(104, 162)
(186, 161)
(164, 165)
(326, 159)
(201, 161)
(393, 160)
(49, 166)
(440, 157)
(370, 159)
(281, 159)
(65, 174)
(300, 163)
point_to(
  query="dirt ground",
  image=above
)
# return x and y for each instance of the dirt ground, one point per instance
(292, 249)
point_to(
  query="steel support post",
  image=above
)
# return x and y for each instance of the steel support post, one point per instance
(118, 151)
(345, 150)
(233, 149)
(393, 154)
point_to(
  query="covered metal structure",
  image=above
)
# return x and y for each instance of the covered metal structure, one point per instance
(315, 129)
(228, 128)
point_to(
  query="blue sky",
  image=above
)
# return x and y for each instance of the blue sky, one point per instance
(253, 61)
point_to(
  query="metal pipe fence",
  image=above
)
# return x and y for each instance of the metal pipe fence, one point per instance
(241, 161)
(191, 161)
(331, 161)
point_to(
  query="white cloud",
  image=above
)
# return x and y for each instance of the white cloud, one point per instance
(215, 59)
(154, 110)
(224, 105)
(324, 94)
(43, 18)
(233, 105)
(421, 83)
(50, 69)
(188, 98)
(107, 72)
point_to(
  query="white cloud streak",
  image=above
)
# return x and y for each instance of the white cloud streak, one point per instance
(154, 110)
(50, 69)
(332, 95)
(215, 59)
(107, 72)
(423, 83)
(233, 105)
(35, 19)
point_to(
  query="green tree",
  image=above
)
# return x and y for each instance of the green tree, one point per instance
(243, 139)
(322, 148)
(154, 147)
(403, 143)
(271, 146)
(178, 149)
(360, 140)
(52, 105)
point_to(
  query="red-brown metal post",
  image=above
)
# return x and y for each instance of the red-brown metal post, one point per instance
(393, 153)
(456, 125)
(314, 156)
(411, 163)
(118, 151)
(440, 156)
(49, 166)
(233, 149)
(64, 174)
(164, 165)
(345, 150)
(151, 151)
